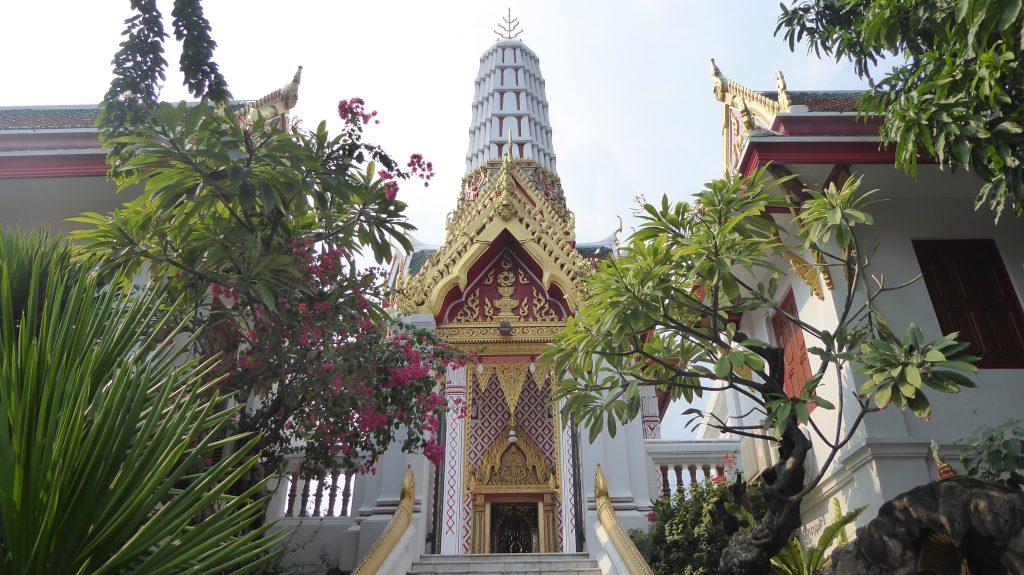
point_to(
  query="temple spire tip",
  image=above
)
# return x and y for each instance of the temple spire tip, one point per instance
(508, 28)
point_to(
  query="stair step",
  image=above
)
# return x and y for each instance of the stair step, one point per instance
(507, 570)
(508, 564)
(491, 557)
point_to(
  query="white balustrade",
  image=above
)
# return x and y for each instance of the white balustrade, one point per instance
(327, 495)
(680, 463)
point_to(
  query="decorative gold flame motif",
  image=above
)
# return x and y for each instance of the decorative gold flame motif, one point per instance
(506, 287)
(507, 464)
(511, 378)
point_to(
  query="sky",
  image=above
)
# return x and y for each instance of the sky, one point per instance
(628, 82)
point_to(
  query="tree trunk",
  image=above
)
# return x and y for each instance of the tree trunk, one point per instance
(751, 553)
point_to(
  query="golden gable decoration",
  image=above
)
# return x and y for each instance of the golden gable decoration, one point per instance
(511, 378)
(486, 310)
(744, 111)
(509, 199)
(512, 466)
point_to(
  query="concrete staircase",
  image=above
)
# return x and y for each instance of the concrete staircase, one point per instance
(508, 564)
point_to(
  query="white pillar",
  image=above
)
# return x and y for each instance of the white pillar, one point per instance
(451, 485)
(569, 519)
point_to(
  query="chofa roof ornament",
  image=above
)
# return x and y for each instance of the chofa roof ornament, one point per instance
(780, 87)
(719, 83)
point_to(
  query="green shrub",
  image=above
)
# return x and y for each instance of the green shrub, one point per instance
(995, 453)
(690, 529)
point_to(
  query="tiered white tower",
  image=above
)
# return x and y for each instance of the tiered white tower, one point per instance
(510, 98)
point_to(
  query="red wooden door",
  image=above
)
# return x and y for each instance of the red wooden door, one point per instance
(796, 369)
(972, 294)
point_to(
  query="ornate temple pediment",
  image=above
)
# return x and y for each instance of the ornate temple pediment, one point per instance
(511, 198)
(507, 289)
(512, 466)
(745, 111)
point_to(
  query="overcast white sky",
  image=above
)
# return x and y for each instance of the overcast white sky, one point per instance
(628, 84)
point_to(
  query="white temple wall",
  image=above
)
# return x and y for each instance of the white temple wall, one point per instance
(889, 454)
(627, 469)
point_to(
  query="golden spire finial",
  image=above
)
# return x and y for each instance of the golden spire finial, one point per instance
(945, 471)
(508, 28)
(508, 149)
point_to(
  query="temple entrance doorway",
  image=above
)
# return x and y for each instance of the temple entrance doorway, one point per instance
(515, 528)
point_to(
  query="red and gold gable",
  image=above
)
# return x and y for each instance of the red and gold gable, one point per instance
(504, 286)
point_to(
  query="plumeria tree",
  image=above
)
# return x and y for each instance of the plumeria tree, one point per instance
(662, 315)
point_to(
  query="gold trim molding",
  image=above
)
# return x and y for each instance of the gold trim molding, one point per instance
(512, 467)
(628, 552)
(508, 201)
(481, 333)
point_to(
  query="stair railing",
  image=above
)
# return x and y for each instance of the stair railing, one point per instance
(625, 549)
(389, 541)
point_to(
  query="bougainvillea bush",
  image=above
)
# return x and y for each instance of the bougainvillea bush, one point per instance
(258, 229)
(334, 377)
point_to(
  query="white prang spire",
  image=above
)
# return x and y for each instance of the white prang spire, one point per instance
(510, 98)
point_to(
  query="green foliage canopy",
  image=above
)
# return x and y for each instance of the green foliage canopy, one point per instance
(956, 86)
(258, 229)
(996, 453)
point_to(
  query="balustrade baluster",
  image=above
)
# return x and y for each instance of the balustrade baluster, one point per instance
(666, 490)
(707, 471)
(679, 478)
(346, 494)
(720, 470)
(333, 494)
(303, 512)
(292, 484)
(693, 472)
(319, 495)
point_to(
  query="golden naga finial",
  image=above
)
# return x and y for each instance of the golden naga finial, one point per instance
(409, 487)
(508, 28)
(718, 81)
(290, 92)
(780, 86)
(747, 117)
(600, 485)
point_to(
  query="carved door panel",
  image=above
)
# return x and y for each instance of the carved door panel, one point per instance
(514, 528)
